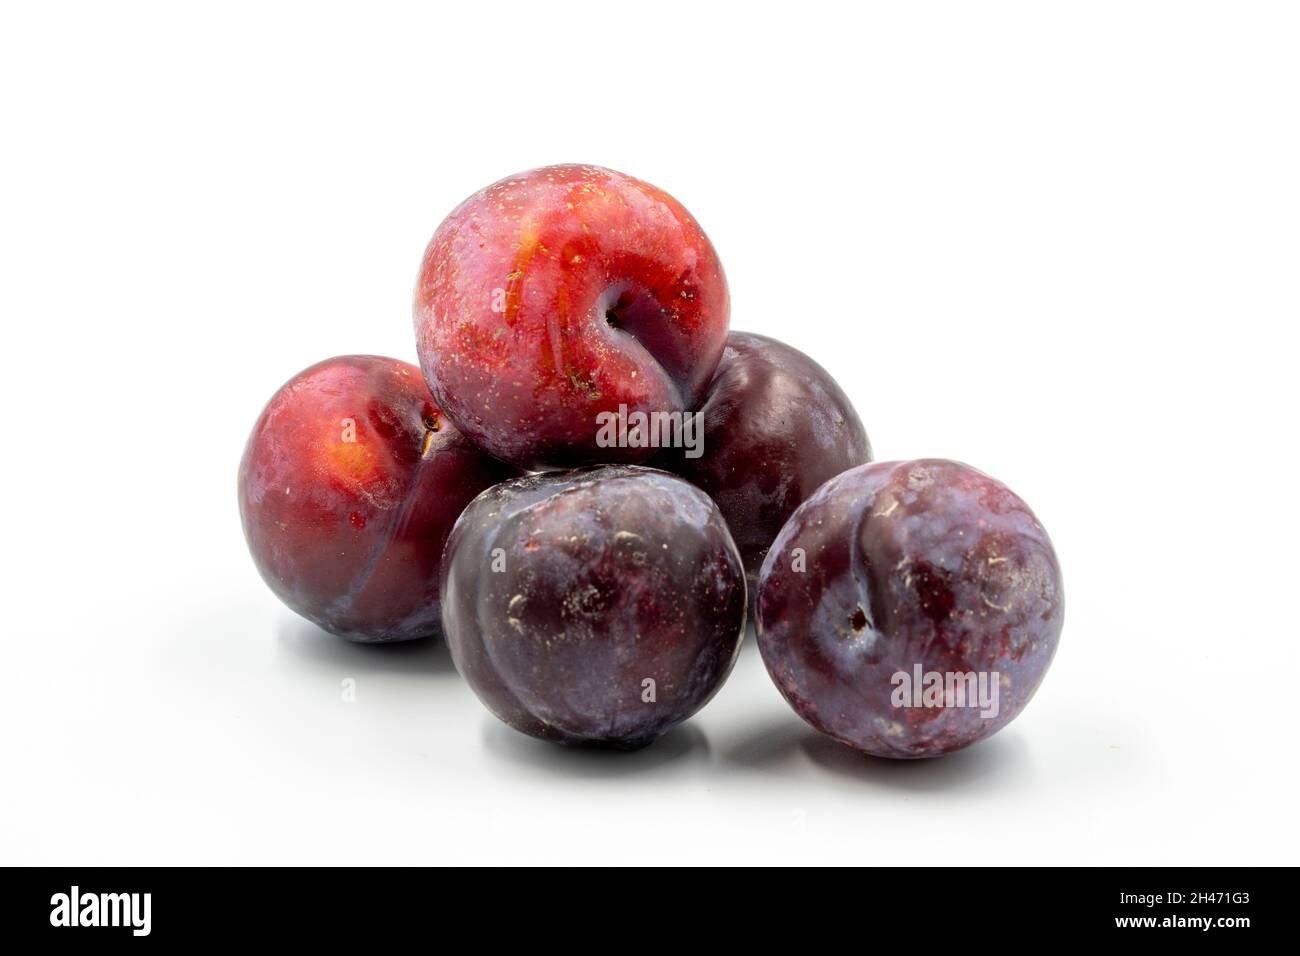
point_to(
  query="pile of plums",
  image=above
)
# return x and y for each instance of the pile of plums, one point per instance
(589, 482)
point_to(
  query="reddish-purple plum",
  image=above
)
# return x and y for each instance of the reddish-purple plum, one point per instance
(349, 485)
(561, 294)
(775, 427)
(909, 609)
(600, 606)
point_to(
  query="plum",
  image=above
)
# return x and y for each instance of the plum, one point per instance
(560, 295)
(350, 483)
(600, 606)
(909, 609)
(775, 427)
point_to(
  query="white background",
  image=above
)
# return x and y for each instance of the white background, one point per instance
(1058, 242)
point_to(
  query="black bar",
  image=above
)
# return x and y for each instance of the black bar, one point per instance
(238, 905)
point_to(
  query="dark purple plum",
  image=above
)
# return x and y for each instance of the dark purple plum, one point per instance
(598, 606)
(909, 609)
(349, 486)
(776, 426)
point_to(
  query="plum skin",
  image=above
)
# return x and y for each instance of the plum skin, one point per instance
(927, 562)
(564, 593)
(349, 485)
(560, 293)
(776, 427)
